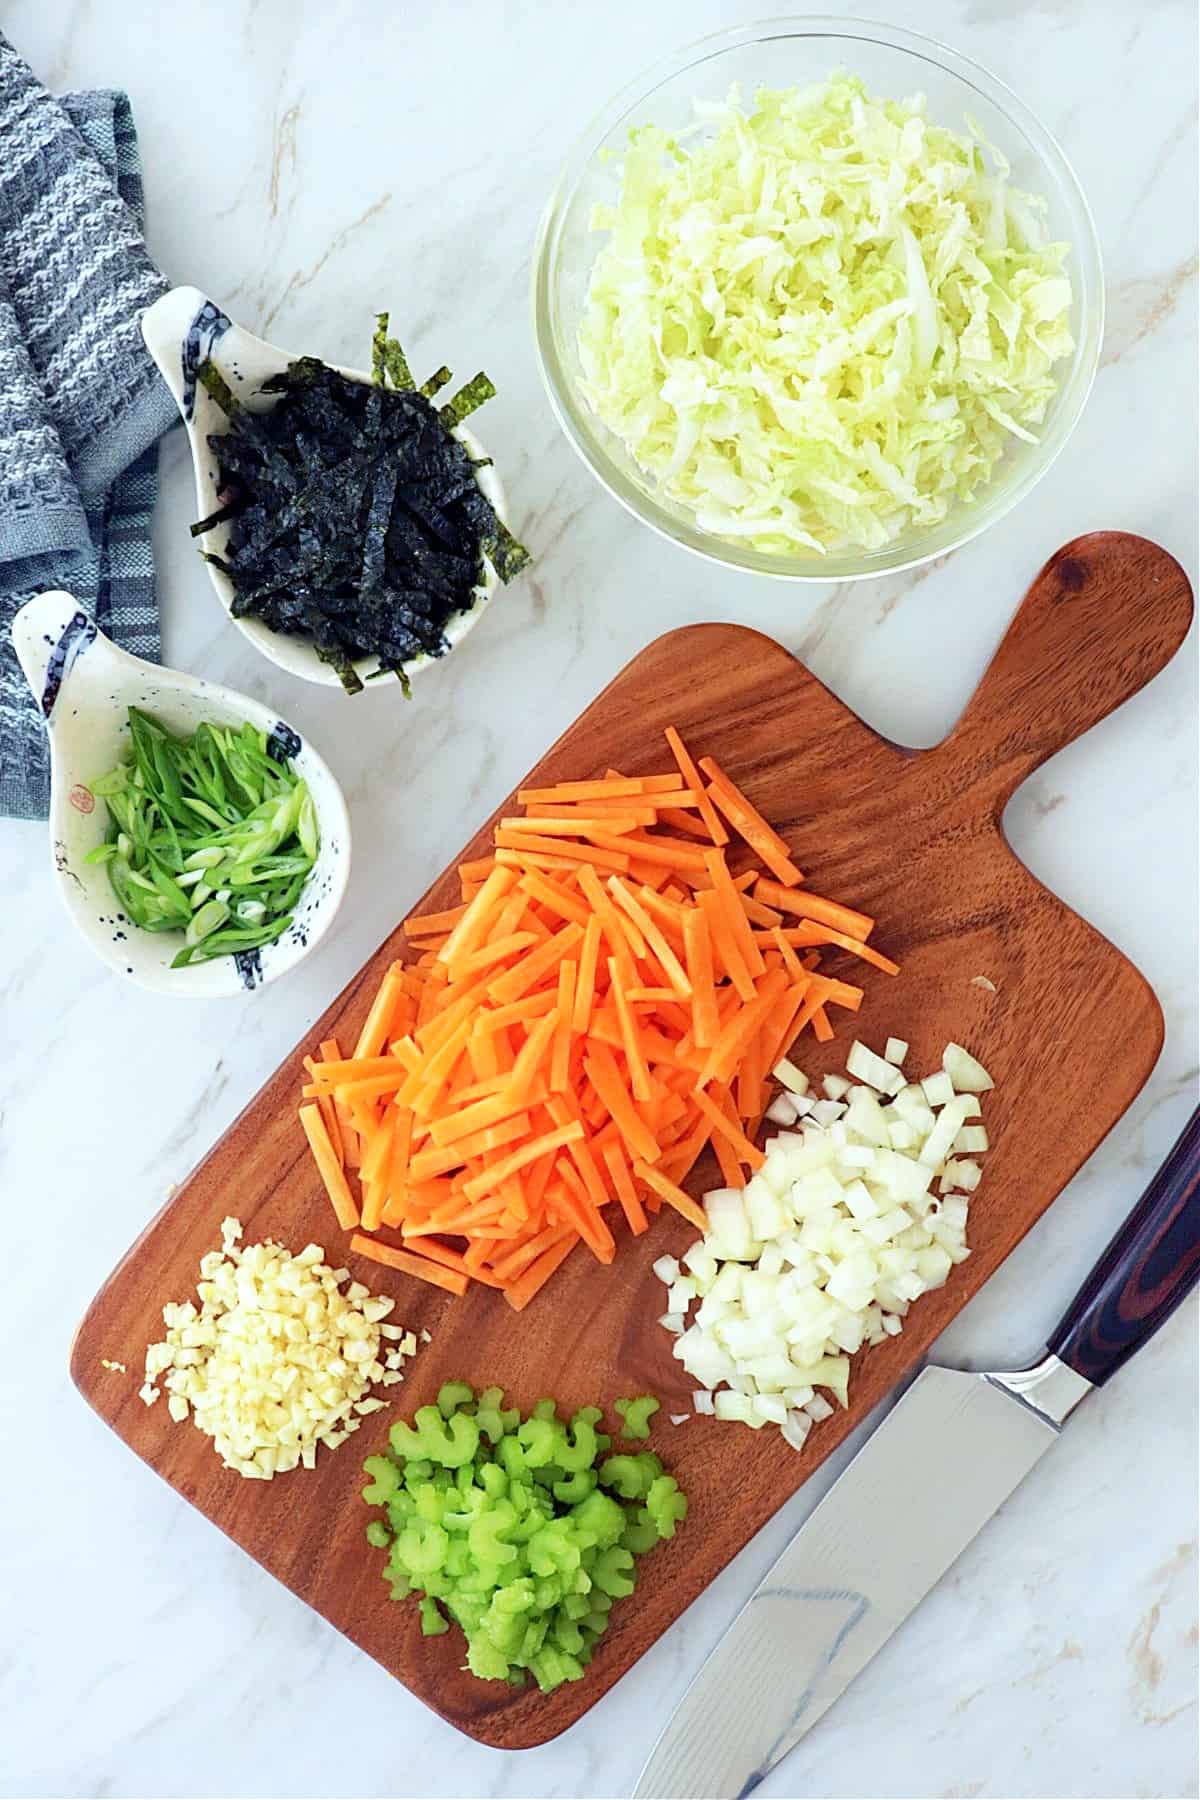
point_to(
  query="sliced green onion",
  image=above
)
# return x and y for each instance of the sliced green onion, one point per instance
(210, 915)
(191, 819)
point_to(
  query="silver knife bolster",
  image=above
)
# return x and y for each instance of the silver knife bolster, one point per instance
(1051, 1388)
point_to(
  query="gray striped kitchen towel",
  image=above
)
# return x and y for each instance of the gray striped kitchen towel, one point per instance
(81, 403)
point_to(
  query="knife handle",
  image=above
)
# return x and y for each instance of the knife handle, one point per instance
(1150, 1266)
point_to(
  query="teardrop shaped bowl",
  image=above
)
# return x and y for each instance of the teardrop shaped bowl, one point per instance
(84, 685)
(180, 331)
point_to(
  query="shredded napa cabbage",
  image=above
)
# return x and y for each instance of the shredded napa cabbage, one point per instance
(820, 323)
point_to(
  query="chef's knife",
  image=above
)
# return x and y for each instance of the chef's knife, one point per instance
(945, 1458)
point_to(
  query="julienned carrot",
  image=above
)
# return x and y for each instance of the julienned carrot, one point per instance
(730, 1130)
(500, 950)
(698, 949)
(749, 823)
(351, 1155)
(614, 823)
(822, 1029)
(329, 1168)
(532, 1053)
(552, 895)
(376, 1025)
(605, 1002)
(499, 1018)
(532, 967)
(812, 906)
(454, 1259)
(627, 1194)
(639, 1075)
(472, 926)
(324, 1099)
(673, 1195)
(606, 1078)
(453, 1280)
(691, 775)
(522, 1291)
(731, 904)
(560, 1055)
(671, 966)
(429, 924)
(585, 985)
(725, 947)
(678, 820)
(646, 849)
(610, 787)
(610, 851)
(528, 1152)
(812, 933)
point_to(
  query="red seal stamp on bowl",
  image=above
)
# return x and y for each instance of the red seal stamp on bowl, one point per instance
(82, 798)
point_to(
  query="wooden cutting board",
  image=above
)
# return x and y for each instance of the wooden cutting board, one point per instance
(1071, 1033)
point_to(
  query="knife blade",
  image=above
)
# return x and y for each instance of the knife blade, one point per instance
(943, 1461)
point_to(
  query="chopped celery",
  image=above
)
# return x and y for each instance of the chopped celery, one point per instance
(637, 1415)
(630, 1475)
(575, 1487)
(666, 1505)
(386, 1479)
(515, 1529)
(432, 1622)
(640, 1534)
(452, 1395)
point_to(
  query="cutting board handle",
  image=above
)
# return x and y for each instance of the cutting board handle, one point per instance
(1150, 1266)
(1104, 615)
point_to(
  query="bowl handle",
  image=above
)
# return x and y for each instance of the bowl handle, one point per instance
(49, 634)
(180, 331)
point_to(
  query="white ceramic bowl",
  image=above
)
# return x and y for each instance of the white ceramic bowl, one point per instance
(787, 52)
(85, 685)
(181, 330)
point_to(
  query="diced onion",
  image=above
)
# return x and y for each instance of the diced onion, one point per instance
(938, 1088)
(972, 1140)
(827, 1246)
(791, 1077)
(968, 1076)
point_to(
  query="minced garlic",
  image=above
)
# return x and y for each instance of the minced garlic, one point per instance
(277, 1358)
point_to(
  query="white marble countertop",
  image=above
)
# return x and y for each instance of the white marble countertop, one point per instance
(141, 1653)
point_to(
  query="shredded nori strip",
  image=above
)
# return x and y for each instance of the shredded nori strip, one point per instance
(211, 378)
(216, 518)
(467, 399)
(355, 517)
(436, 382)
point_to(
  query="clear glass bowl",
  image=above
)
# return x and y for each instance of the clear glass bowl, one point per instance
(783, 53)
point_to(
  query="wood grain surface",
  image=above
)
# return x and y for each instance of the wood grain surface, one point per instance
(914, 838)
